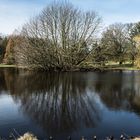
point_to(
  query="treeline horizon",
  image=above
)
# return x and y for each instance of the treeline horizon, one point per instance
(63, 37)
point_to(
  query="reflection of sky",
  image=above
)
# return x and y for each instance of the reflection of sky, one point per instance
(118, 122)
(4, 98)
(14, 13)
(115, 122)
(93, 98)
(11, 117)
(8, 110)
(112, 122)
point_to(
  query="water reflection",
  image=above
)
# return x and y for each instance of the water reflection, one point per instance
(59, 102)
(119, 90)
(65, 102)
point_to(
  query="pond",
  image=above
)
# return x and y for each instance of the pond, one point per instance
(70, 103)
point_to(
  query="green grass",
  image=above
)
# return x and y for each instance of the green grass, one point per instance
(116, 66)
(7, 66)
(108, 66)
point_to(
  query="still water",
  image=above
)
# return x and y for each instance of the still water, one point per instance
(76, 104)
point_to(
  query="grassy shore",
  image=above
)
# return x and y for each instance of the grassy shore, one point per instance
(7, 66)
(109, 66)
(89, 68)
(120, 67)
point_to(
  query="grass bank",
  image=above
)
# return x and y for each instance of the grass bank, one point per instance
(120, 67)
(7, 66)
(109, 66)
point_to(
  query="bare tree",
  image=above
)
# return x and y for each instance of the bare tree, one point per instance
(3, 44)
(115, 43)
(59, 38)
(132, 49)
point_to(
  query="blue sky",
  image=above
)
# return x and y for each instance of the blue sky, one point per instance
(14, 13)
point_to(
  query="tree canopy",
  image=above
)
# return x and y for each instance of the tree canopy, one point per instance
(63, 37)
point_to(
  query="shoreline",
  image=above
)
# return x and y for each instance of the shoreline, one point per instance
(79, 69)
(30, 136)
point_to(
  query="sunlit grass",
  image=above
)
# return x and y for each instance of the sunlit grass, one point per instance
(7, 66)
(124, 66)
(107, 66)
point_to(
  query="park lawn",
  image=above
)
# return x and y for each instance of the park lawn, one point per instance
(116, 66)
(7, 66)
(109, 66)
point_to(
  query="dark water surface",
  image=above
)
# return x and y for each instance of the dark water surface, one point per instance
(76, 104)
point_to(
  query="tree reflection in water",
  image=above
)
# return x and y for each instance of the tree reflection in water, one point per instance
(59, 102)
(64, 102)
(119, 90)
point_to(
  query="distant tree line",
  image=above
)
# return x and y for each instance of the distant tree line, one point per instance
(63, 37)
(3, 44)
(117, 44)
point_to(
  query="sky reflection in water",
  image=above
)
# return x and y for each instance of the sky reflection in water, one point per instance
(76, 104)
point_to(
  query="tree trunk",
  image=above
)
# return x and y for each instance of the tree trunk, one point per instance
(133, 59)
(120, 62)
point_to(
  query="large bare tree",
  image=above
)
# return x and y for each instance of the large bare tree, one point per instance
(116, 43)
(61, 37)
